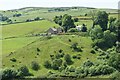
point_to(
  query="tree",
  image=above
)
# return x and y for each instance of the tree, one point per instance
(112, 24)
(110, 38)
(35, 65)
(23, 71)
(84, 28)
(56, 64)
(47, 64)
(114, 60)
(68, 59)
(9, 74)
(102, 20)
(118, 29)
(75, 19)
(37, 18)
(96, 33)
(67, 22)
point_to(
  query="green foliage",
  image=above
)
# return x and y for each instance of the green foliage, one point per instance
(114, 60)
(92, 51)
(115, 76)
(96, 33)
(84, 28)
(67, 22)
(68, 59)
(23, 71)
(13, 60)
(102, 39)
(102, 19)
(37, 18)
(38, 50)
(3, 18)
(17, 15)
(101, 70)
(35, 65)
(73, 30)
(88, 63)
(56, 64)
(76, 19)
(8, 74)
(76, 48)
(47, 64)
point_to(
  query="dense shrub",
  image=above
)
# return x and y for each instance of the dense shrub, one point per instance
(114, 60)
(76, 48)
(38, 50)
(17, 15)
(35, 65)
(92, 51)
(56, 64)
(70, 69)
(75, 19)
(115, 76)
(8, 74)
(69, 40)
(13, 60)
(88, 63)
(60, 51)
(37, 18)
(23, 71)
(68, 59)
(47, 64)
(101, 70)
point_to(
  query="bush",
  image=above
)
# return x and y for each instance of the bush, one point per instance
(69, 40)
(35, 65)
(76, 19)
(88, 63)
(74, 56)
(115, 76)
(47, 64)
(60, 51)
(92, 51)
(73, 30)
(23, 71)
(71, 69)
(68, 59)
(8, 74)
(101, 70)
(114, 60)
(38, 50)
(13, 60)
(56, 64)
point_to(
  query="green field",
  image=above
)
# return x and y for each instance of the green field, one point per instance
(21, 29)
(49, 46)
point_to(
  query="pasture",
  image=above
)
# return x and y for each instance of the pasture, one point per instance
(27, 54)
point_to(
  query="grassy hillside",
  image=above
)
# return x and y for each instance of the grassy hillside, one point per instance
(11, 45)
(29, 53)
(15, 30)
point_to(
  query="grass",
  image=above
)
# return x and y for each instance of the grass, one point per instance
(20, 29)
(28, 54)
(11, 45)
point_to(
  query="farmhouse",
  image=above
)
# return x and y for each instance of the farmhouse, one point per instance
(55, 30)
(79, 27)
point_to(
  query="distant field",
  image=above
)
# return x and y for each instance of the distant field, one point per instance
(31, 13)
(20, 29)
